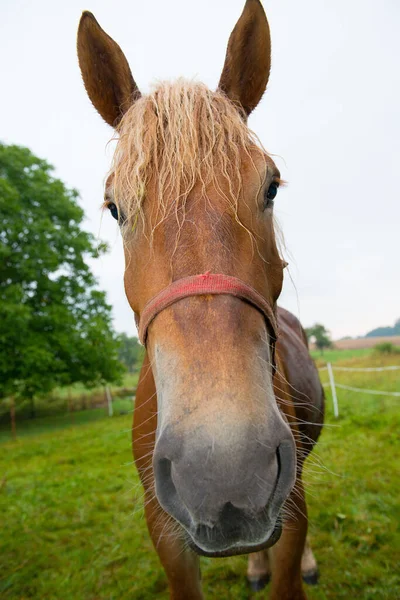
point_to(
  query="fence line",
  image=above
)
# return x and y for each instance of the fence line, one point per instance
(366, 391)
(392, 368)
(333, 385)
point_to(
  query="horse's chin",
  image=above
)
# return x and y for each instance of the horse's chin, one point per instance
(235, 549)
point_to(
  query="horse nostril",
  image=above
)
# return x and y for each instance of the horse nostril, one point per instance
(164, 484)
(286, 475)
(163, 468)
(279, 463)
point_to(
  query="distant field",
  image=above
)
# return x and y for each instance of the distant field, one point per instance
(366, 342)
(72, 525)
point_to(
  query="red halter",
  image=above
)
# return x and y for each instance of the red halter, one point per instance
(200, 285)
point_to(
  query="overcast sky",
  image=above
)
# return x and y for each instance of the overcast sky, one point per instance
(331, 114)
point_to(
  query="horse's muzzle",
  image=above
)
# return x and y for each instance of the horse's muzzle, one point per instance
(227, 499)
(235, 550)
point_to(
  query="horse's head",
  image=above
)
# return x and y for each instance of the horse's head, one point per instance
(193, 192)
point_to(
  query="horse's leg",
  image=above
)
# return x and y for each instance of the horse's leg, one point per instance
(258, 570)
(287, 553)
(309, 567)
(181, 564)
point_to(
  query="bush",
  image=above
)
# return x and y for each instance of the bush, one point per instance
(386, 348)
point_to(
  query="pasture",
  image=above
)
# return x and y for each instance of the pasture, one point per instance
(73, 398)
(334, 354)
(73, 526)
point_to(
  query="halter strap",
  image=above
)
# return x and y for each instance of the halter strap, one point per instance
(201, 285)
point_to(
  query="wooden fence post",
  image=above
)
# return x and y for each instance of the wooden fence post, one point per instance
(109, 402)
(70, 405)
(333, 388)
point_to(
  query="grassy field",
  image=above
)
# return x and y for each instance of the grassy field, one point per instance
(129, 380)
(74, 398)
(34, 427)
(72, 526)
(335, 355)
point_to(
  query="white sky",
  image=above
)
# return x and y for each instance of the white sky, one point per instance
(331, 113)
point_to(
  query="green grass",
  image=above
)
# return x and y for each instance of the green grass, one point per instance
(335, 355)
(64, 420)
(129, 380)
(59, 402)
(72, 526)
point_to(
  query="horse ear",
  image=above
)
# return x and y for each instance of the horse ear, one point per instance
(105, 71)
(248, 58)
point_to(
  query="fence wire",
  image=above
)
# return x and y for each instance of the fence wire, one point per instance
(333, 385)
(367, 369)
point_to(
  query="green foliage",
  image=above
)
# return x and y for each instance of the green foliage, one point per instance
(71, 529)
(130, 352)
(386, 348)
(55, 327)
(320, 335)
(385, 331)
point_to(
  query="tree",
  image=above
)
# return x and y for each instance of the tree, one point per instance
(55, 326)
(320, 335)
(130, 352)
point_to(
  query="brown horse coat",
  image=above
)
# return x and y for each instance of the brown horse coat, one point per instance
(220, 436)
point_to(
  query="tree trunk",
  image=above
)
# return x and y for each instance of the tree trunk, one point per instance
(70, 406)
(12, 418)
(32, 413)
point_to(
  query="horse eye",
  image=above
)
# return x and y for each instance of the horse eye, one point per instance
(113, 210)
(271, 194)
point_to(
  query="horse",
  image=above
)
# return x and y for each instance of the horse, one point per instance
(229, 402)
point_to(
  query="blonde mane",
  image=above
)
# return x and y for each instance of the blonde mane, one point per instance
(180, 135)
